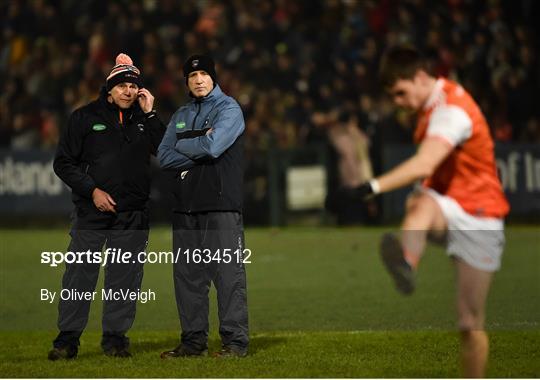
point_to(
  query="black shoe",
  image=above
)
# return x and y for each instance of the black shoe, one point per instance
(230, 352)
(62, 353)
(182, 351)
(118, 352)
(399, 269)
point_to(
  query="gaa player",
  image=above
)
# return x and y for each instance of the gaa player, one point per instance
(460, 198)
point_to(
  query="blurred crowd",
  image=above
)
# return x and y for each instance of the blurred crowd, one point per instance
(303, 70)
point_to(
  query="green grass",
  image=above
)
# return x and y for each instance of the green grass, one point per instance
(320, 305)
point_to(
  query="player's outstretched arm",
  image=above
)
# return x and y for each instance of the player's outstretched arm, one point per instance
(431, 153)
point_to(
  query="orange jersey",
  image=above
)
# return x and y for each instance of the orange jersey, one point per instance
(469, 173)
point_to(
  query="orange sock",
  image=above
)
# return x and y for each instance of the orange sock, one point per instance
(411, 258)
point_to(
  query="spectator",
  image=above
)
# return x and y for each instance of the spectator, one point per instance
(313, 51)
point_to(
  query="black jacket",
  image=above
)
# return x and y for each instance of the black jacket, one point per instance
(208, 168)
(96, 150)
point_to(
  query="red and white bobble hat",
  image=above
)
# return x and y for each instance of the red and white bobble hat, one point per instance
(124, 71)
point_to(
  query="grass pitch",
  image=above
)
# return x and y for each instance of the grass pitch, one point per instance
(320, 302)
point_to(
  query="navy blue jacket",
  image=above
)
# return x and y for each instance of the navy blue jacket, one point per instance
(208, 168)
(97, 150)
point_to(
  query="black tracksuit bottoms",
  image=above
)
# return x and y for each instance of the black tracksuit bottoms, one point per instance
(210, 248)
(91, 230)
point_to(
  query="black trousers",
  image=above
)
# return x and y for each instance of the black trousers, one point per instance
(215, 235)
(91, 230)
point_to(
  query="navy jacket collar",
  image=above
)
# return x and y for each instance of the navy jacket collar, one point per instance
(216, 93)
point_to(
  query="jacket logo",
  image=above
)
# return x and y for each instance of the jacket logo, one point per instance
(99, 127)
(180, 125)
(141, 127)
(183, 174)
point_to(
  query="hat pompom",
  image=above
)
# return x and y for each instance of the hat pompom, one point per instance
(123, 59)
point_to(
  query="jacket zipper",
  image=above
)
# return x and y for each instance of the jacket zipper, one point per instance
(202, 171)
(122, 126)
(196, 115)
(196, 188)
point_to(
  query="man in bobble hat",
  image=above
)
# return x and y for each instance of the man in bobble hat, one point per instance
(104, 157)
(203, 147)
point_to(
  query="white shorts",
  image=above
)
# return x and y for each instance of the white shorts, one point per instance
(477, 241)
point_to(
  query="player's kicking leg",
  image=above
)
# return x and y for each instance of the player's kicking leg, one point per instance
(472, 289)
(401, 257)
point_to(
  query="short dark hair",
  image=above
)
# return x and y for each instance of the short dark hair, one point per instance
(401, 62)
